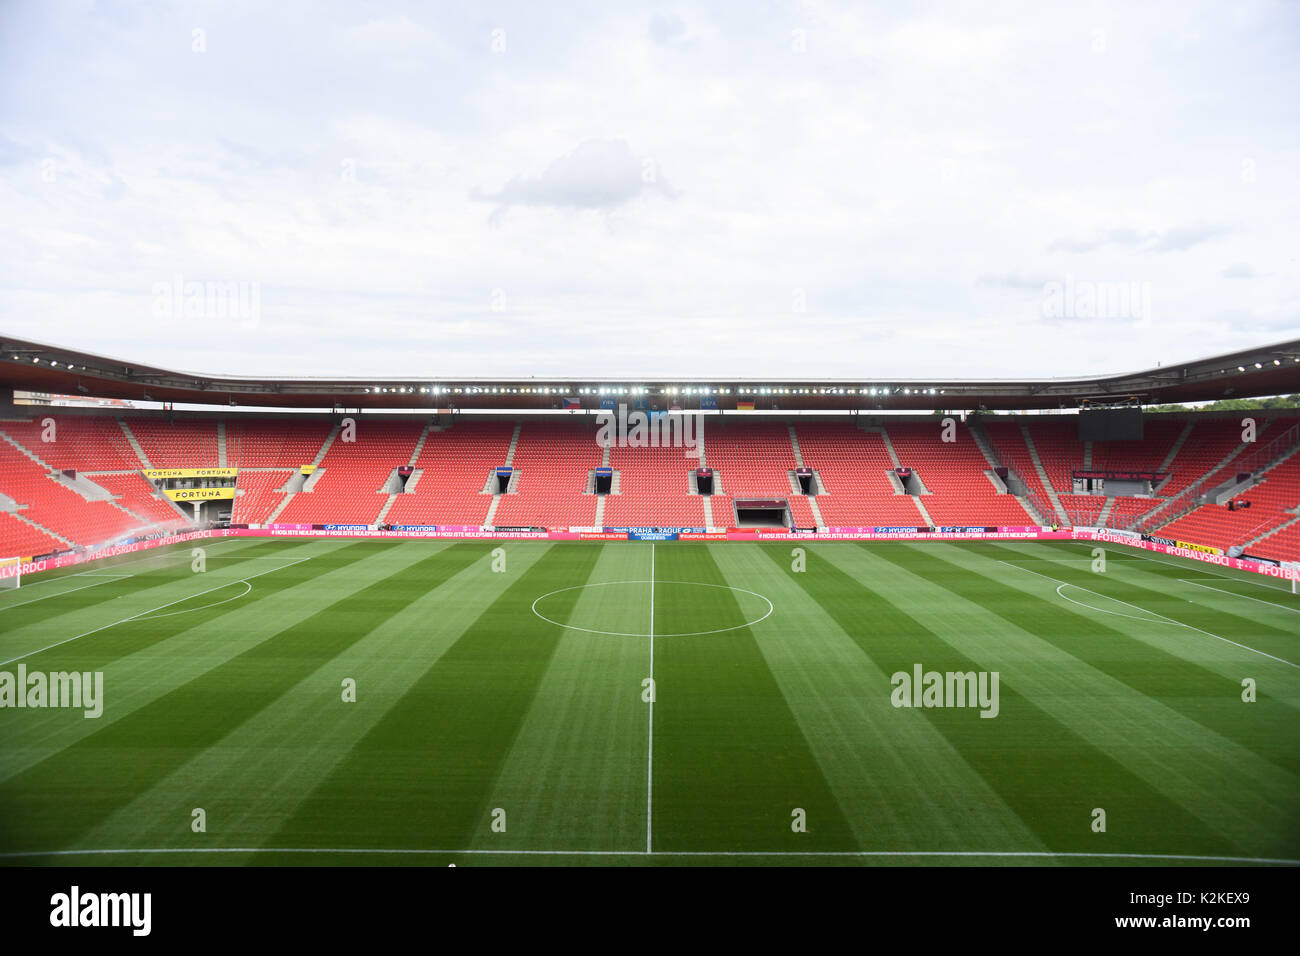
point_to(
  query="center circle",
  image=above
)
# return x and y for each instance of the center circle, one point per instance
(765, 606)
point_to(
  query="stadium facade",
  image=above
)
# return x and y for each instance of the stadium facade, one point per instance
(576, 457)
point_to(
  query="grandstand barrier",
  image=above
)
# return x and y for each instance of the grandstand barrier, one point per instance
(1288, 571)
(67, 559)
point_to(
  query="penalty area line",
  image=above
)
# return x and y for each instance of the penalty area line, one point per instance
(1196, 566)
(1162, 618)
(650, 746)
(104, 579)
(188, 597)
(1211, 587)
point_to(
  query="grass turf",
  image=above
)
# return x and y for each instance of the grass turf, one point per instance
(1119, 690)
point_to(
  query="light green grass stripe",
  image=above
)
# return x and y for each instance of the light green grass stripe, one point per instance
(1266, 727)
(39, 591)
(575, 776)
(731, 762)
(1189, 670)
(127, 757)
(256, 776)
(1231, 790)
(135, 678)
(157, 579)
(422, 774)
(1252, 615)
(901, 783)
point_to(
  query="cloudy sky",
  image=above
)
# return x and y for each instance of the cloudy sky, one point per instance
(760, 188)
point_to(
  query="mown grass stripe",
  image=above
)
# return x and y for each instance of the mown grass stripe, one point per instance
(899, 782)
(54, 802)
(138, 671)
(255, 777)
(1181, 683)
(1046, 771)
(575, 775)
(424, 772)
(732, 763)
(1274, 631)
(29, 626)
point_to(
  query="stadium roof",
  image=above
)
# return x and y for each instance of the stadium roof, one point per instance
(37, 367)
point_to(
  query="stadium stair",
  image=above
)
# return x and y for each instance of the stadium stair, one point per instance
(135, 445)
(514, 443)
(1218, 440)
(794, 488)
(1168, 463)
(279, 509)
(1062, 517)
(1106, 509)
(976, 428)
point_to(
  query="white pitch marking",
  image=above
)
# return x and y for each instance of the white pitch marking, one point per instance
(248, 588)
(149, 611)
(1158, 619)
(650, 759)
(1227, 577)
(106, 580)
(600, 584)
(866, 854)
(1135, 607)
(1210, 587)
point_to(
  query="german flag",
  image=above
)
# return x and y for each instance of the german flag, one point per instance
(744, 406)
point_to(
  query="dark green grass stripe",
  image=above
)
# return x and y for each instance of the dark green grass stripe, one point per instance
(1267, 728)
(1171, 601)
(97, 651)
(731, 761)
(51, 804)
(423, 774)
(1045, 771)
(48, 611)
(1165, 596)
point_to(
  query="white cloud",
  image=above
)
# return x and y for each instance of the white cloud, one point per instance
(916, 181)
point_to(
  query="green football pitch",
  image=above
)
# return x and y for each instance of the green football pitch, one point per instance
(627, 704)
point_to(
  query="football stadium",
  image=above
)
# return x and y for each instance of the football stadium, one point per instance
(811, 465)
(629, 622)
